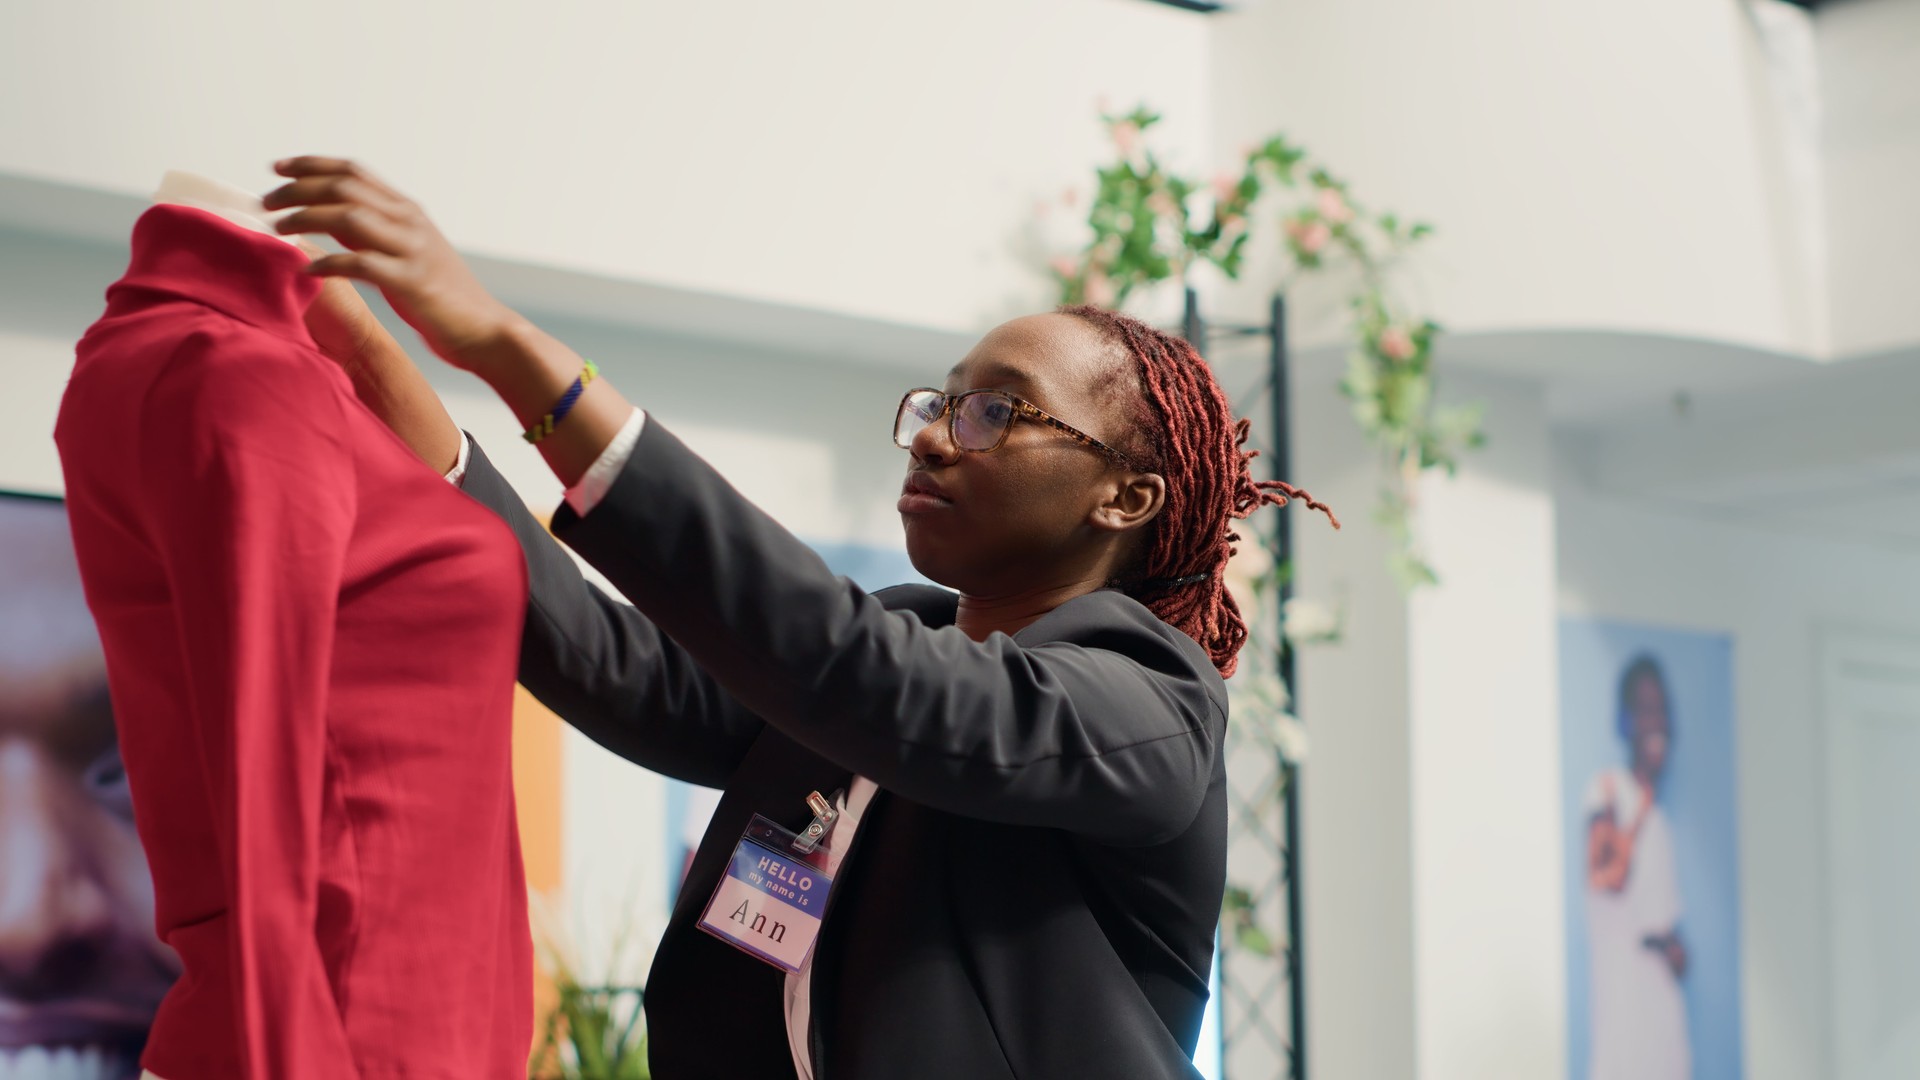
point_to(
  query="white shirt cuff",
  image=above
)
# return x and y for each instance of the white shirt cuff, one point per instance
(458, 473)
(586, 494)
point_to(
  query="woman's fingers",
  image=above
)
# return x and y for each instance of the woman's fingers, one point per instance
(334, 188)
(341, 199)
(313, 165)
(380, 271)
(358, 228)
(393, 246)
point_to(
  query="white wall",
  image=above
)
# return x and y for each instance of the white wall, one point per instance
(1869, 51)
(1589, 165)
(50, 292)
(1489, 935)
(865, 156)
(1628, 560)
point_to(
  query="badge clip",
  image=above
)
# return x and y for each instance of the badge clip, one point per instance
(824, 815)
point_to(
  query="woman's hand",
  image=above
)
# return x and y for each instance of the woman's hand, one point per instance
(383, 375)
(1671, 949)
(393, 246)
(340, 322)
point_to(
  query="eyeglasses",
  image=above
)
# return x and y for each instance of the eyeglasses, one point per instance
(980, 419)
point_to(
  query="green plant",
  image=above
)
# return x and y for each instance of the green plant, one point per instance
(592, 1032)
(1150, 224)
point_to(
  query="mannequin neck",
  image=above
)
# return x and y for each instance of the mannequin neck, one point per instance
(223, 200)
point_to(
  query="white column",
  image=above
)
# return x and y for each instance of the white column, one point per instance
(1484, 758)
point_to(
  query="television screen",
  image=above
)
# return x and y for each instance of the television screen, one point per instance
(81, 971)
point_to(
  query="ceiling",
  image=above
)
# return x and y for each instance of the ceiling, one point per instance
(1831, 449)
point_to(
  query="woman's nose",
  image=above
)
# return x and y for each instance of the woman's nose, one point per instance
(56, 917)
(935, 442)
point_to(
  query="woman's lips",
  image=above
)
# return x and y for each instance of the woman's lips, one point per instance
(922, 495)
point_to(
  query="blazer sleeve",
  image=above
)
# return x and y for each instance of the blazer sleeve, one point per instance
(250, 502)
(608, 670)
(1106, 728)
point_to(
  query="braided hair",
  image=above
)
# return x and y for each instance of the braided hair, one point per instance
(1184, 428)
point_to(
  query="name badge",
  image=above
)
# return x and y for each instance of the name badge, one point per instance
(770, 902)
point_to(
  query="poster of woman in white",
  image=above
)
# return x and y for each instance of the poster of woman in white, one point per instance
(1652, 876)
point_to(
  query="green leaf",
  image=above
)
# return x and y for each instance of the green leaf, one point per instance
(1253, 939)
(1412, 571)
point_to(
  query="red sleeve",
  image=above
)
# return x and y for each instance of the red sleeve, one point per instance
(251, 502)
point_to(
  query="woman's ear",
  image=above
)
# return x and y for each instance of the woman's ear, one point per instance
(1135, 500)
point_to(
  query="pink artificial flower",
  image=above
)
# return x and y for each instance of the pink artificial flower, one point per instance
(1126, 138)
(1099, 288)
(1333, 206)
(1396, 344)
(1070, 198)
(1066, 266)
(1309, 236)
(1162, 204)
(1226, 188)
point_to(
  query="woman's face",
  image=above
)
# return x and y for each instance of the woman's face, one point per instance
(1650, 725)
(81, 972)
(1023, 517)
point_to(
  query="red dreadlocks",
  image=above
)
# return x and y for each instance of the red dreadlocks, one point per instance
(1190, 435)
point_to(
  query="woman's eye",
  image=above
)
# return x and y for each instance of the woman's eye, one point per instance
(997, 412)
(106, 782)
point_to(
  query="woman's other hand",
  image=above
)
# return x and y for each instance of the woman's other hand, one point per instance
(393, 246)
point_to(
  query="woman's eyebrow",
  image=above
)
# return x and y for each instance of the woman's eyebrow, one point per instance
(994, 372)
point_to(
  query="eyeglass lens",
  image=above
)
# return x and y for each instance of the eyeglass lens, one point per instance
(980, 419)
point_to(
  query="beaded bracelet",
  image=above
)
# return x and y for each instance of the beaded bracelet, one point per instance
(567, 400)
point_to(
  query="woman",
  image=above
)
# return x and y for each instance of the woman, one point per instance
(1638, 958)
(1029, 852)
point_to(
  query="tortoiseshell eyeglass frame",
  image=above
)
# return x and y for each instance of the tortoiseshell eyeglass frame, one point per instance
(949, 409)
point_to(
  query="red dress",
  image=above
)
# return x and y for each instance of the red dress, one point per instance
(311, 641)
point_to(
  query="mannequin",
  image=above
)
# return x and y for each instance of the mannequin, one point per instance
(242, 208)
(181, 188)
(310, 640)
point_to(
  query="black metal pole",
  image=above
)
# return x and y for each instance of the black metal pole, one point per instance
(1281, 442)
(1194, 328)
(1191, 327)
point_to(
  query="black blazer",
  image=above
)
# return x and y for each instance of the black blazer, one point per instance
(1034, 890)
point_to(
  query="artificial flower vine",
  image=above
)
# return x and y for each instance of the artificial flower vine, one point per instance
(1150, 224)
